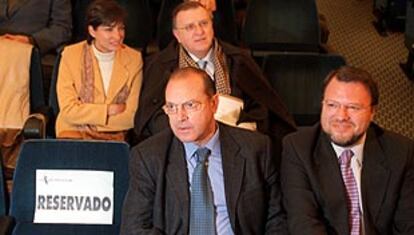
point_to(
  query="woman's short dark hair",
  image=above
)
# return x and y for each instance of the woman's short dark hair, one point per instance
(352, 74)
(103, 12)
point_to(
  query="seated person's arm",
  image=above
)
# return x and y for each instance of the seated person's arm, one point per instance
(298, 198)
(125, 120)
(59, 29)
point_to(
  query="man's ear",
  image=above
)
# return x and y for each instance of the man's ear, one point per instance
(215, 102)
(176, 35)
(374, 111)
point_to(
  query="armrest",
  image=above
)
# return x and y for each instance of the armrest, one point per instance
(35, 126)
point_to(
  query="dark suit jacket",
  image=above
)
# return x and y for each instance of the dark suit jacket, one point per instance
(247, 83)
(314, 194)
(48, 22)
(157, 201)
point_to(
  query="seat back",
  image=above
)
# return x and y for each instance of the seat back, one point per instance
(298, 79)
(79, 8)
(53, 102)
(3, 198)
(139, 26)
(37, 97)
(65, 154)
(6, 222)
(280, 25)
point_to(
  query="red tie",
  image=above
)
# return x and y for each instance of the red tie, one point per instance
(352, 196)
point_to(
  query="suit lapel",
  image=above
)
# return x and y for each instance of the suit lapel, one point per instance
(233, 171)
(120, 74)
(374, 177)
(177, 177)
(331, 185)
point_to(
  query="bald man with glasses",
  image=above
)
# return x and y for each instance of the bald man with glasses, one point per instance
(199, 176)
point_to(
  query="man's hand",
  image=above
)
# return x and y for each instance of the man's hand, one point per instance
(18, 38)
(114, 109)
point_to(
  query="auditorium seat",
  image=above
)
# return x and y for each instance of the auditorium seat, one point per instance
(6, 222)
(139, 26)
(390, 15)
(79, 19)
(280, 25)
(51, 154)
(3, 191)
(52, 101)
(298, 79)
(21, 103)
(35, 126)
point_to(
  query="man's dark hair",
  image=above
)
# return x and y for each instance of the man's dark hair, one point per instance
(352, 74)
(103, 12)
(210, 88)
(184, 6)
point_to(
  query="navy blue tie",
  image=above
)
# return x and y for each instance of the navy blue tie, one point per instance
(202, 220)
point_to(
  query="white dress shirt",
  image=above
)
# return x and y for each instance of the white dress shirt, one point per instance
(210, 65)
(356, 165)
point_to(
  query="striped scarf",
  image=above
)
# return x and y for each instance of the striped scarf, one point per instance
(221, 74)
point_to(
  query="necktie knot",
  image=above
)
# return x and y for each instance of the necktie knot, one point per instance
(202, 154)
(345, 157)
(202, 64)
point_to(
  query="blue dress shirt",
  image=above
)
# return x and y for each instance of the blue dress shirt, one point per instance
(215, 174)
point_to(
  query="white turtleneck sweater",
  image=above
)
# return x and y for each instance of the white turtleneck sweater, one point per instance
(105, 61)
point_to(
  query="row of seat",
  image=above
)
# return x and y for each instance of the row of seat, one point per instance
(284, 25)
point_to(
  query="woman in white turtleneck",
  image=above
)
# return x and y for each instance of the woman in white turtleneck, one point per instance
(99, 79)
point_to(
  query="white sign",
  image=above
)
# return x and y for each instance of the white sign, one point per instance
(74, 197)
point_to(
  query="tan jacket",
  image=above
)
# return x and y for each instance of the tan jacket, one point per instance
(127, 70)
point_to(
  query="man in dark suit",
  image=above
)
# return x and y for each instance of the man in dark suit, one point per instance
(242, 185)
(197, 47)
(347, 175)
(44, 23)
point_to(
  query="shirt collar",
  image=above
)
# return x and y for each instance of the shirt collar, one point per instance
(205, 58)
(357, 149)
(213, 144)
